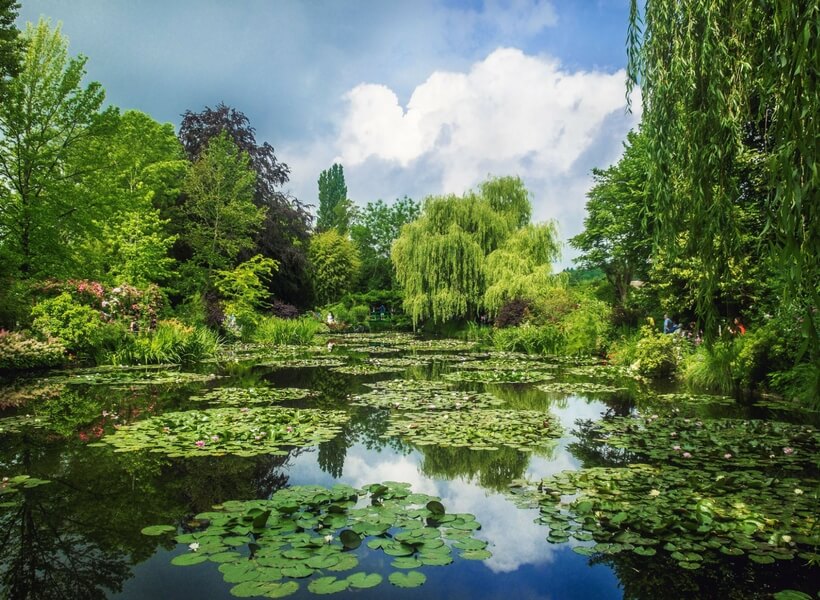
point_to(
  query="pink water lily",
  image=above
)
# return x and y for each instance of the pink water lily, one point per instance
(289, 429)
(200, 443)
(788, 450)
(727, 455)
(686, 455)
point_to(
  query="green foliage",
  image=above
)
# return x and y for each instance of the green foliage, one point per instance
(360, 313)
(243, 290)
(588, 327)
(11, 46)
(79, 327)
(170, 342)
(374, 229)
(533, 339)
(334, 206)
(140, 248)
(49, 129)
(522, 266)
(616, 238)
(714, 367)
(334, 265)
(222, 216)
(800, 384)
(718, 81)
(441, 258)
(659, 354)
(18, 351)
(273, 330)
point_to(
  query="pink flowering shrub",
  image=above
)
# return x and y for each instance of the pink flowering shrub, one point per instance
(18, 351)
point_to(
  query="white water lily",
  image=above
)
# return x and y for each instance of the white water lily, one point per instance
(654, 493)
(328, 539)
(194, 546)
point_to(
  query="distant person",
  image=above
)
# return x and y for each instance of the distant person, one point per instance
(382, 310)
(737, 327)
(668, 325)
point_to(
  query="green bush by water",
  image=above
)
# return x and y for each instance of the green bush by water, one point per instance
(170, 342)
(18, 351)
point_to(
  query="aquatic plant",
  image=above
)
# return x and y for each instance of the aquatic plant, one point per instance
(218, 431)
(265, 546)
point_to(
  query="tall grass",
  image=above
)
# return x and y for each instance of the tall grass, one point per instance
(273, 330)
(170, 342)
(714, 368)
(532, 339)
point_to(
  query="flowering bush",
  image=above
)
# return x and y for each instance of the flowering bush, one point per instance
(659, 354)
(17, 351)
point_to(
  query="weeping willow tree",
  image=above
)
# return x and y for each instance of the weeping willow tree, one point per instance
(441, 259)
(522, 266)
(710, 74)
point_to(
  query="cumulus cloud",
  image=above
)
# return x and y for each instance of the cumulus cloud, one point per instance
(510, 113)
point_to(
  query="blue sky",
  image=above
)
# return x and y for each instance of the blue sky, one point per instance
(414, 97)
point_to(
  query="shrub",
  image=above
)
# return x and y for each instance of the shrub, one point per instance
(587, 328)
(79, 327)
(273, 330)
(360, 313)
(283, 310)
(18, 351)
(801, 383)
(513, 313)
(658, 354)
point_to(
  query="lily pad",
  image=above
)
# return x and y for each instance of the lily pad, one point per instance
(410, 579)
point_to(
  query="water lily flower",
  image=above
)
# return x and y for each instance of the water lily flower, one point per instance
(289, 429)
(214, 438)
(727, 455)
(673, 434)
(788, 450)
(654, 493)
(328, 539)
(798, 491)
(194, 546)
(244, 409)
(676, 448)
(200, 443)
(257, 437)
(786, 538)
(166, 430)
(686, 455)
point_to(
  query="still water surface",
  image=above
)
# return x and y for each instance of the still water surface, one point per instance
(79, 536)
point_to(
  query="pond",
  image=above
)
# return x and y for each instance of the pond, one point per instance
(389, 466)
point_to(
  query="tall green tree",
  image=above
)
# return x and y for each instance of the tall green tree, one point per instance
(334, 206)
(48, 123)
(616, 236)
(374, 230)
(145, 167)
(11, 45)
(222, 216)
(334, 265)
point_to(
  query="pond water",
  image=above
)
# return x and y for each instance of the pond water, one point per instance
(122, 450)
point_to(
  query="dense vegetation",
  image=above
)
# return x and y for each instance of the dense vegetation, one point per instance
(123, 241)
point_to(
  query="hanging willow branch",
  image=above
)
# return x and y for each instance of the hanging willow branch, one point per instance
(707, 71)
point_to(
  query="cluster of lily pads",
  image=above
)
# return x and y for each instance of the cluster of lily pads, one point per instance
(300, 363)
(477, 429)
(579, 388)
(425, 399)
(499, 376)
(233, 396)
(714, 444)
(238, 431)
(309, 532)
(132, 377)
(695, 516)
(365, 369)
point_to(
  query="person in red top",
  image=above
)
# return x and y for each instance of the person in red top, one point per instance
(738, 327)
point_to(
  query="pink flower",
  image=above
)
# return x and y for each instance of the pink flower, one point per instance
(200, 443)
(686, 455)
(788, 450)
(727, 455)
(289, 429)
